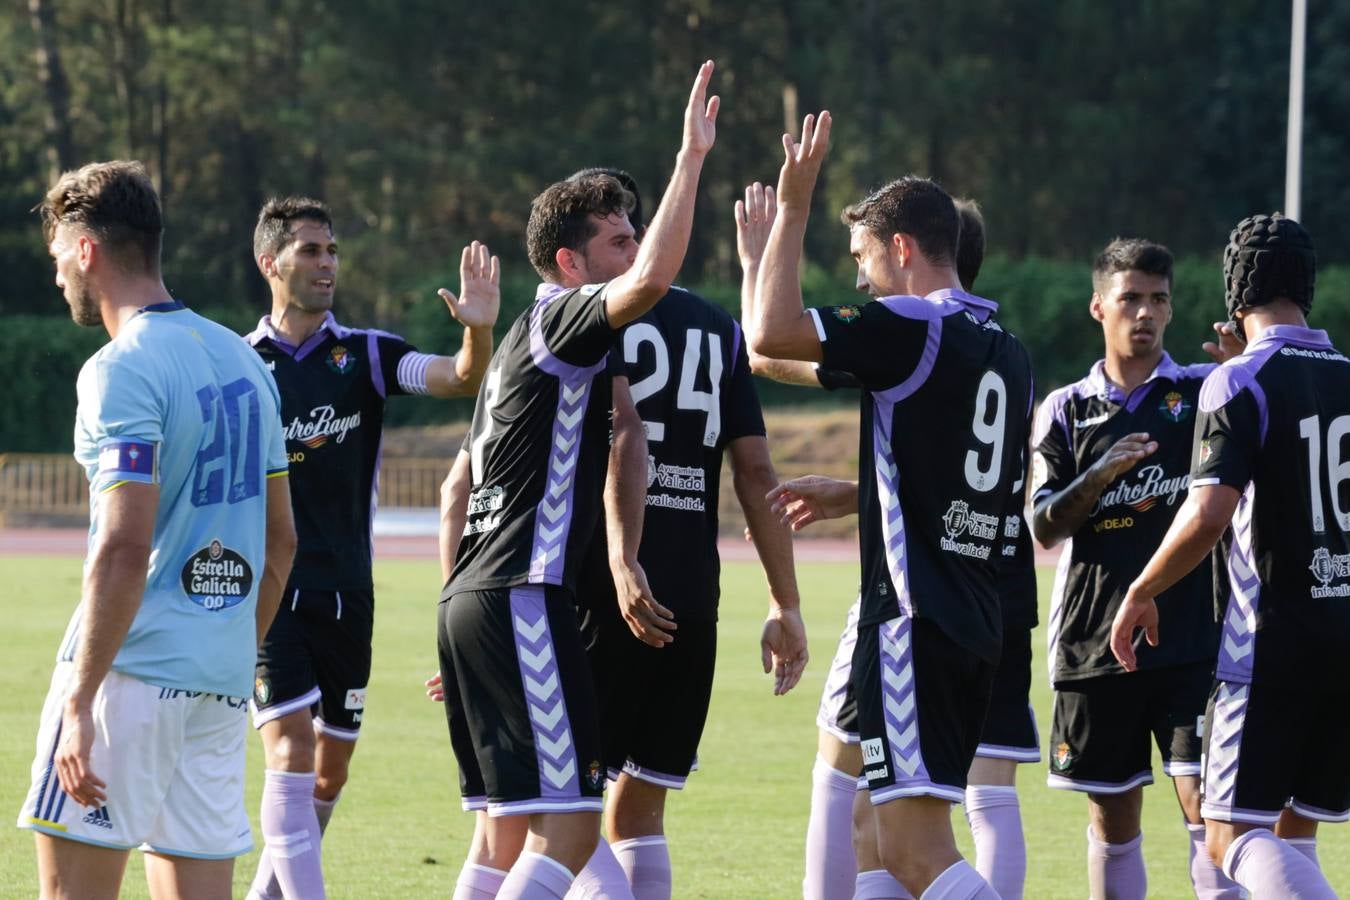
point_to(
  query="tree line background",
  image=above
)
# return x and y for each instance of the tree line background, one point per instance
(428, 124)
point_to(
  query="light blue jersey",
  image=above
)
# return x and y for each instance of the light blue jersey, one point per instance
(179, 401)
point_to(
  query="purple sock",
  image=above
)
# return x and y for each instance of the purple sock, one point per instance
(265, 885)
(830, 864)
(602, 878)
(323, 809)
(646, 862)
(1268, 867)
(290, 830)
(1306, 846)
(959, 882)
(1000, 850)
(876, 884)
(477, 882)
(535, 877)
(1209, 882)
(1116, 871)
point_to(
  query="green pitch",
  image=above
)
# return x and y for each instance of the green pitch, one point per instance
(736, 831)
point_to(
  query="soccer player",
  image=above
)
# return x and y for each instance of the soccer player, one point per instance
(690, 379)
(945, 397)
(143, 732)
(518, 689)
(1275, 732)
(1009, 734)
(310, 691)
(1110, 467)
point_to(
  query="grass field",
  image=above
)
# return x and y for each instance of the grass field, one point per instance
(736, 831)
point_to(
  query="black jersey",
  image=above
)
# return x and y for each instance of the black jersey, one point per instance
(1075, 426)
(333, 390)
(1273, 424)
(539, 446)
(1016, 558)
(689, 374)
(946, 394)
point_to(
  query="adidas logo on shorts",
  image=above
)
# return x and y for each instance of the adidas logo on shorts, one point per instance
(98, 817)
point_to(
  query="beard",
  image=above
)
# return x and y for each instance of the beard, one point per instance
(83, 307)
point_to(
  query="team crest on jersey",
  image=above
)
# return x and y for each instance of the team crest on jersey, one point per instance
(340, 360)
(1064, 756)
(1206, 451)
(651, 470)
(1175, 407)
(262, 690)
(847, 314)
(594, 774)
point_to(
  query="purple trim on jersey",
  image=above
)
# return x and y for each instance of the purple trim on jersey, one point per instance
(375, 493)
(921, 371)
(1097, 382)
(539, 352)
(265, 330)
(1223, 754)
(1240, 372)
(735, 343)
(376, 373)
(1057, 595)
(888, 498)
(1237, 645)
(553, 517)
(1055, 410)
(541, 686)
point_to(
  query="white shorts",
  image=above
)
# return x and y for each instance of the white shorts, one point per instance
(173, 762)
(838, 711)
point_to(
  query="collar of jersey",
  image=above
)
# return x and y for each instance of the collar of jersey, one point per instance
(979, 307)
(265, 330)
(1291, 334)
(1106, 389)
(165, 306)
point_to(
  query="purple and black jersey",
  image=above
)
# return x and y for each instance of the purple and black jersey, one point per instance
(1274, 424)
(946, 395)
(1075, 427)
(539, 446)
(333, 390)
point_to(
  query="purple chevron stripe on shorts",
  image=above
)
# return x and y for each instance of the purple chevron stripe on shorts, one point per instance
(837, 681)
(1058, 592)
(542, 688)
(1222, 752)
(553, 518)
(1237, 645)
(888, 497)
(898, 701)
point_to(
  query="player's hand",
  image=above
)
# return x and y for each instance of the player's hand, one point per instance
(782, 648)
(1135, 612)
(754, 219)
(72, 758)
(1122, 456)
(1228, 345)
(434, 690)
(480, 295)
(700, 116)
(797, 179)
(649, 621)
(811, 498)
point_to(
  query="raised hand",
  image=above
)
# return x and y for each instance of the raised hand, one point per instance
(1228, 345)
(480, 296)
(783, 648)
(811, 498)
(801, 165)
(754, 220)
(1122, 456)
(700, 116)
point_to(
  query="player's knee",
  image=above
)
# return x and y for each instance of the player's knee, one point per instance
(1218, 836)
(327, 785)
(291, 751)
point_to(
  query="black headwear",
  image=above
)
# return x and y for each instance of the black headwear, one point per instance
(1268, 257)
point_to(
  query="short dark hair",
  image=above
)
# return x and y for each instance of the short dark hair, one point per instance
(915, 206)
(1131, 255)
(970, 246)
(117, 204)
(1268, 257)
(629, 184)
(561, 217)
(275, 218)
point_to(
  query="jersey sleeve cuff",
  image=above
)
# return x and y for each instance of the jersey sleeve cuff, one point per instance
(820, 327)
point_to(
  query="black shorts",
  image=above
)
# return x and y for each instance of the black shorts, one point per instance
(316, 656)
(653, 702)
(921, 705)
(1101, 729)
(838, 710)
(1268, 745)
(523, 716)
(1010, 725)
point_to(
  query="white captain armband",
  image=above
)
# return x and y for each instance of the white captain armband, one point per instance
(412, 372)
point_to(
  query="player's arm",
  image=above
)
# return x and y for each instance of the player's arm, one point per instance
(811, 498)
(783, 641)
(754, 219)
(454, 512)
(783, 329)
(625, 504)
(476, 309)
(114, 583)
(1198, 525)
(1060, 514)
(280, 552)
(662, 251)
